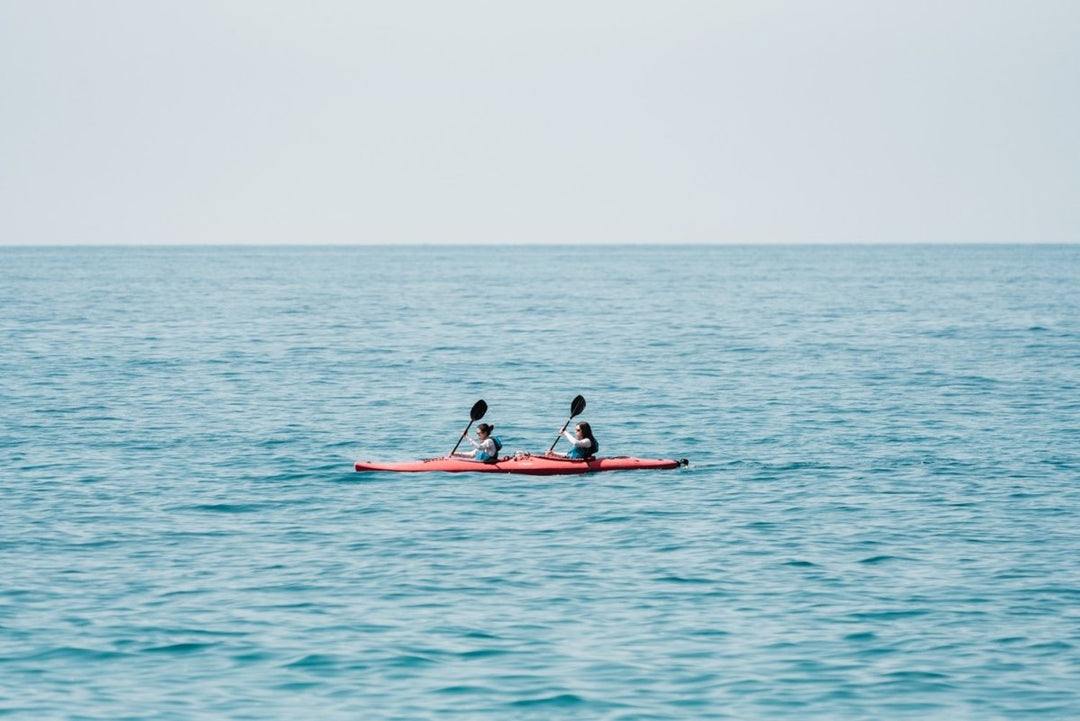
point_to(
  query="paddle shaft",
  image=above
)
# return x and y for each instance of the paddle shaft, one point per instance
(463, 434)
(476, 413)
(576, 406)
(560, 434)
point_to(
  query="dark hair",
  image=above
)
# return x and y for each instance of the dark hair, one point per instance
(486, 428)
(586, 430)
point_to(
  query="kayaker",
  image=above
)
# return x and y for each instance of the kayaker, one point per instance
(485, 449)
(583, 441)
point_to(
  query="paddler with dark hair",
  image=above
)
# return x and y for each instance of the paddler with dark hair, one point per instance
(485, 449)
(583, 441)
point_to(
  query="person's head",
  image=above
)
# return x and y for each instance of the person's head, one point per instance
(484, 429)
(583, 430)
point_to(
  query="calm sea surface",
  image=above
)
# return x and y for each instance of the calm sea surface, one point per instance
(881, 519)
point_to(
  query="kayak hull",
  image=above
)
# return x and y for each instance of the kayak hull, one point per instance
(527, 465)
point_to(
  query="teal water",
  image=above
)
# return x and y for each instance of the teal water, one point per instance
(881, 518)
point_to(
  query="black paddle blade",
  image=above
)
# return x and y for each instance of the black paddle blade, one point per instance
(480, 408)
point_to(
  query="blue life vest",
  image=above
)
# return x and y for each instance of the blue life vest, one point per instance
(483, 456)
(576, 452)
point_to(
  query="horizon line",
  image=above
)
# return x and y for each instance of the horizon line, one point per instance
(534, 244)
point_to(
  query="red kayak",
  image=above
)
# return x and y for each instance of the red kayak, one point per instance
(528, 465)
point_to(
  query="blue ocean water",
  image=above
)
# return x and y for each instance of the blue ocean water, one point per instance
(881, 518)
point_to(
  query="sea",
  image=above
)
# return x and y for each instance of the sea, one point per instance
(880, 518)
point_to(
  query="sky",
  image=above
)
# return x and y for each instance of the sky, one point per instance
(592, 121)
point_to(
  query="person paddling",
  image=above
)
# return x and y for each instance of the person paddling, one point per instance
(485, 449)
(583, 441)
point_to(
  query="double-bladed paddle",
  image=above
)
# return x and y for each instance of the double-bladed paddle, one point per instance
(478, 410)
(576, 406)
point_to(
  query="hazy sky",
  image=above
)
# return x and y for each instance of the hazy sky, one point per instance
(469, 121)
